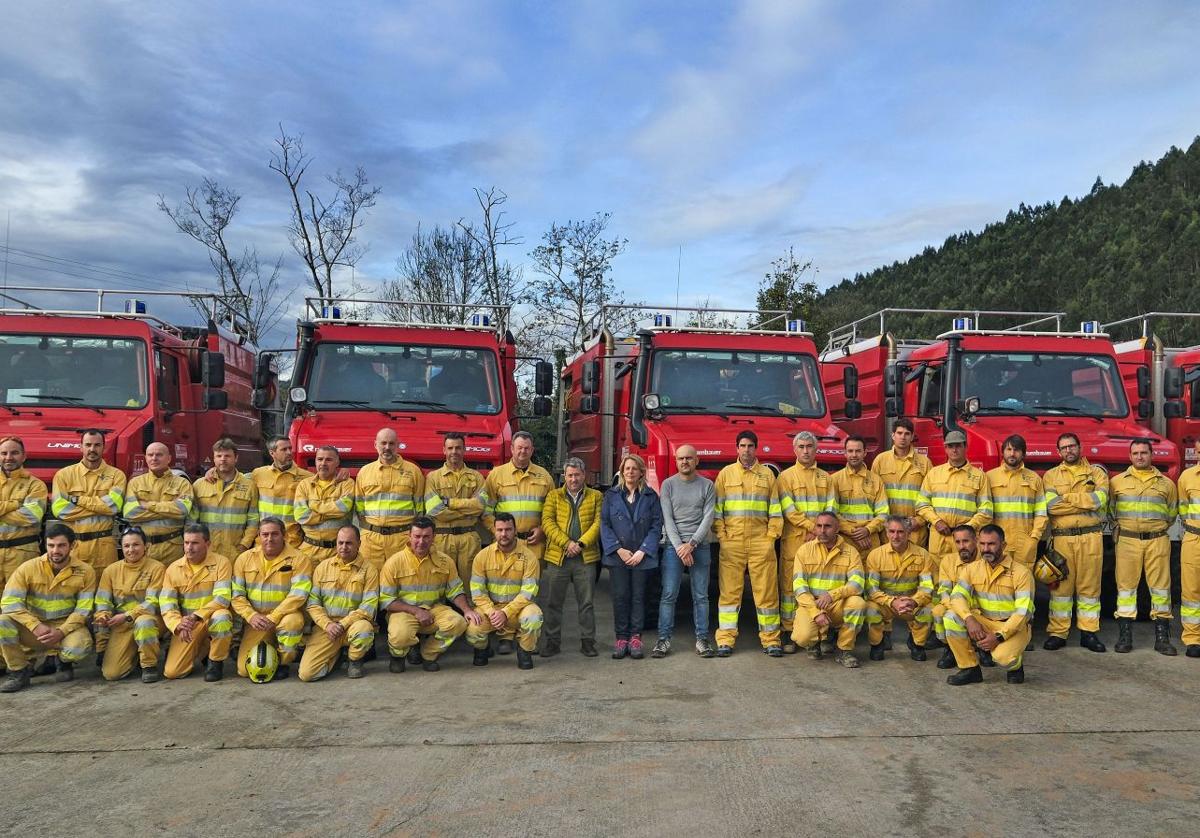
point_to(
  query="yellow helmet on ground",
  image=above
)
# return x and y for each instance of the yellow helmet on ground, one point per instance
(261, 662)
(1051, 568)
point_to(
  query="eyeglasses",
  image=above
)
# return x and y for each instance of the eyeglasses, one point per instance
(132, 530)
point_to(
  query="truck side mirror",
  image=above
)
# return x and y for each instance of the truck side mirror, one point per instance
(893, 408)
(1143, 383)
(212, 370)
(892, 377)
(1172, 383)
(850, 385)
(263, 373)
(216, 400)
(543, 378)
(852, 409)
(1173, 410)
(260, 398)
(1145, 408)
(590, 383)
(541, 406)
(589, 404)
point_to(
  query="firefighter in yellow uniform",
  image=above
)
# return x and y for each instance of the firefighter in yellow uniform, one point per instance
(324, 504)
(126, 622)
(342, 605)
(1189, 557)
(828, 583)
(504, 585)
(902, 470)
(803, 492)
(949, 568)
(388, 494)
(414, 587)
(519, 487)
(857, 496)
(227, 502)
(271, 584)
(990, 609)
(160, 503)
(22, 507)
(1076, 500)
(45, 608)
(88, 496)
(1018, 502)
(195, 604)
(953, 493)
(1144, 505)
(276, 486)
(454, 500)
(747, 521)
(899, 584)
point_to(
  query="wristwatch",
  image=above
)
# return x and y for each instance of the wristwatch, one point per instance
(999, 637)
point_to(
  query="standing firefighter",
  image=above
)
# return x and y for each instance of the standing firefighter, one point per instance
(803, 493)
(89, 496)
(227, 502)
(902, 470)
(276, 486)
(454, 500)
(22, 507)
(953, 493)
(519, 487)
(1189, 557)
(160, 503)
(324, 504)
(1018, 502)
(388, 494)
(857, 496)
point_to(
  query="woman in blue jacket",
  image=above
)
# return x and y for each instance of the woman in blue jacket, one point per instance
(630, 529)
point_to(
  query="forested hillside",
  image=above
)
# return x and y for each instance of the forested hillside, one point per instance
(1117, 251)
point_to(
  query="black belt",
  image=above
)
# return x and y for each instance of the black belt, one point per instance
(163, 538)
(524, 534)
(455, 530)
(1188, 527)
(1069, 531)
(385, 530)
(92, 536)
(31, 539)
(1144, 536)
(316, 542)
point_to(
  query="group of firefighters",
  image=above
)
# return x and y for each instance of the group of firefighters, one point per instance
(311, 565)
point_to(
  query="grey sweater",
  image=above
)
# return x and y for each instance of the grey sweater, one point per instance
(687, 507)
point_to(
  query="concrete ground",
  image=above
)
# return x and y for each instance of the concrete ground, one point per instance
(746, 746)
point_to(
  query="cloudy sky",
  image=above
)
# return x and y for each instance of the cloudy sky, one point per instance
(717, 134)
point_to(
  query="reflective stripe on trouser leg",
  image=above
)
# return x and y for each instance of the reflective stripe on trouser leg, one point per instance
(938, 611)
(75, 646)
(1130, 558)
(787, 595)
(875, 618)
(213, 636)
(461, 547)
(959, 642)
(529, 627)
(731, 577)
(764, 585)
(448, 624)
(145, 635)
(286, 637)
(1009, 653)
(1189, 589)
(402, 633)
(1156, 563)
(850, 613)
(1080, 591)
(918, 623)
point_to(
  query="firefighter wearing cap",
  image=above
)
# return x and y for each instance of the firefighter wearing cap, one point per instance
(324, 504)
(953, 493)
(902, 470)
(388, 494)
(858, 497)
(803, 493)
(160, 503)
(519, 487)
(227, 502)
(454, 500)
(22, 507)
(1076, 498)
(1144, 505)
(89, 496)
(1018, 502)
(276, 485)
(1189, 557)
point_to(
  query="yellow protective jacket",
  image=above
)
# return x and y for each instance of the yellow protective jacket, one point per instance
(803, 493)
(817, 570)
(1143, 500)
(277, 495)
(463, 494)
(1189, 502)
(324, 506)
(902, 478)
(418, 582)
(388, 495)
(891, 574)
(1001, 592)
(859, 499)
(556, 518)
(519, 492)
(274, 587)
(231, 512)
(159, 505)
(949, 569)
(1019, 508)
(22, 507)
(345, 592)
(504, 581)
(99, 496)
(747, 503)
(955, 496)
(1076, 496)
(36, 594)
(199, 589)
(131, 589)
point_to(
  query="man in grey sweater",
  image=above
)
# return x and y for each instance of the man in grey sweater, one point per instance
(688, 500)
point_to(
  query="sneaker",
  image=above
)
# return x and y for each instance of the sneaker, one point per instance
(662, 648)
(620, 649)
(635, 648)
(724, 651)
(704, 648)
(847, 660)
(774, 651)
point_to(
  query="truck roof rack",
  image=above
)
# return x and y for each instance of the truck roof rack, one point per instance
(417, 314)
(699, 319)
(876, 324)
(217, 309)
(1149, 317)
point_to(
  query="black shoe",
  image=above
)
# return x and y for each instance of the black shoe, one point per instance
(1016, 676)
(588, 648)
(430, 666)
(17, 680)
(1124, 636)
(282, 672)
(504, 647)
(933, 642)
(66, 672)
(550, 648)
(887, 641)
(1162, 638)
(724, 651)
(150, 676)
(414, 655)
(1089, 640)
(789, 647)
(1054, 643)
(214, 671)
(396, 664)
(354, 669)
(876, 652)
(49, 667)
(481, 658)
(974, 675)
(774, 651)
(99, 660)
(985, 658)
(524, 659)
(1193, 651)
(946, 661)
(1029, 645)
(370, 655)
(916, 652)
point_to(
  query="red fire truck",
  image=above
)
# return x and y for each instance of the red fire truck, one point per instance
(432, 369)
(1021, 373)
(67, 368)
(666, 385)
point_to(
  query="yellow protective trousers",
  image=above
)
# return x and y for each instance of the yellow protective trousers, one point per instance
(1009, 653)
(1153, 558)
(133, 638)
(738, 557)
(376, 548)
(1189, 589)
(321, 653)
(286, 636)
(846, 616)
(99, 552)
(210, 638)
(527, 629)
(1081, 588)
(880, 616)
(461, 547)
(404, 629)
(15, 640)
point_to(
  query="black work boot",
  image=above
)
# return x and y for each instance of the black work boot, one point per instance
(49, 667)
(1124, 635)
(1193, 650)
(974, 675)
(1090, 640)
(1162, 638)
(354, 669)
(17, 680)
(430, 666)
(933, 642)
(100, 660)
(214, 670)
(524, 659)
(946, 661)
(887, 641)
(1054, 642)
(66, 672)
(985, 659)
(481, 658)
(1016, 676)
(915, 652)
(876, 652)
(282, 672)
(150, 676)
(414, 656)
(396, 664)
(504, 647)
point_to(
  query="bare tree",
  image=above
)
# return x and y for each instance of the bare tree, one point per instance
(446, 267)
(254, 301)
(704, 317)
(323, 229)
(503, 283)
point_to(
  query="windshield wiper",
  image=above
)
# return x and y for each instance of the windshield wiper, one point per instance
(692, 408)
(761, 408)
(353, 403)
(76, 400)
(427, 403)
(1011, 411)
(1077, 411)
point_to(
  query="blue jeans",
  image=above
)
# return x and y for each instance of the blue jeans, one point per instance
(672, 576)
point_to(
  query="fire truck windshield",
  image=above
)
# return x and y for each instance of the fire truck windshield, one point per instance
(1042, 383)
(693, 380)
(354, 376)
(73, 371)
